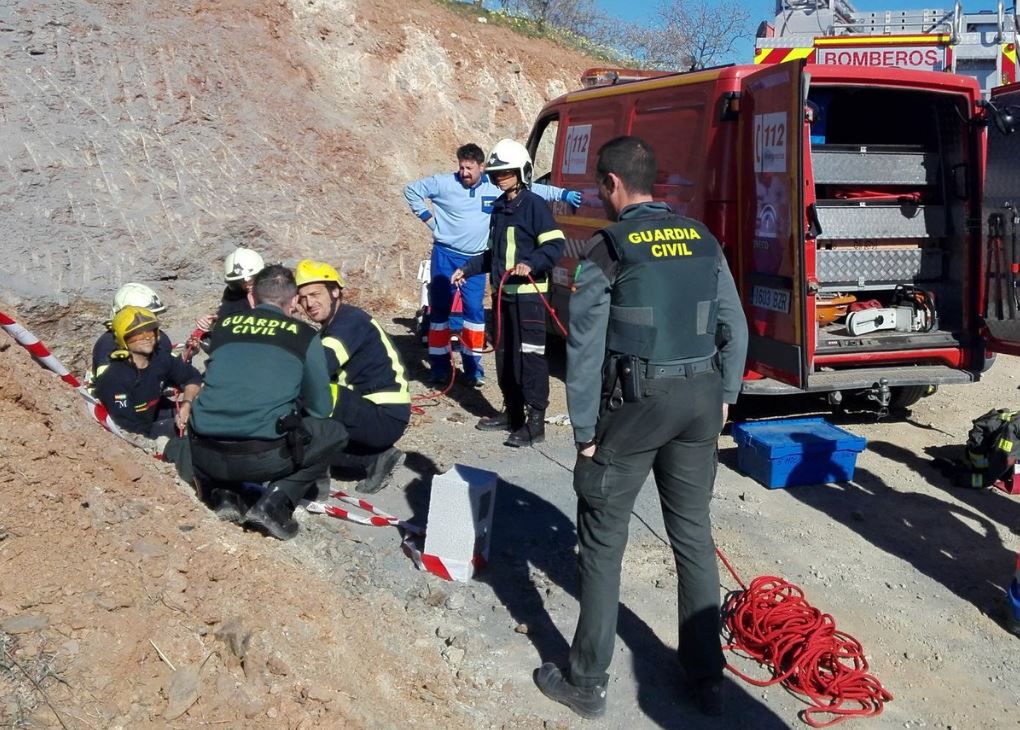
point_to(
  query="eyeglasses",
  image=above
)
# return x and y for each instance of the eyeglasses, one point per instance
(148, 335)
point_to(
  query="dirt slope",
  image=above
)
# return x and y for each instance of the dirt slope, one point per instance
(103, 555)
(143, 141)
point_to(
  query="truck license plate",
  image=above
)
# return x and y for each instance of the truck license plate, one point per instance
(775, 300)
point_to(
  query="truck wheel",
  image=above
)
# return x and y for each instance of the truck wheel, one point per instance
(907, 395)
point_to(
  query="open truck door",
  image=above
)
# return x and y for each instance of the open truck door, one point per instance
(1000, 220)
(771, 221)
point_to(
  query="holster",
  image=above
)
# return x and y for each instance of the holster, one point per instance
(630, 372)
(292, 428)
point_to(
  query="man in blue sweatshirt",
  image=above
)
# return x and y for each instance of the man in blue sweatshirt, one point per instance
(459, 220)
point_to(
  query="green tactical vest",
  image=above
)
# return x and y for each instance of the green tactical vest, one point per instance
(263, 326)
(664, 304)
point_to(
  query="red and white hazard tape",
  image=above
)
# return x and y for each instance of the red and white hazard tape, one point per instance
(376, 517)
(31, 343)
(40, 352)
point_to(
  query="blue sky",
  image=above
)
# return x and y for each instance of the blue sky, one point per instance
(644, 10)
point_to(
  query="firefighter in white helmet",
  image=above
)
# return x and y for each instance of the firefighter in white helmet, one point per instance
(524, 244)
(131, 294)
(239, 270)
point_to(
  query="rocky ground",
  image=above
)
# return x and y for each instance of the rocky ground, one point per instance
(143, 141)
(126, 604)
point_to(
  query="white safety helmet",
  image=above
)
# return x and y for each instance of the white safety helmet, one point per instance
(136, 295)
(242, 264)
(510, 155)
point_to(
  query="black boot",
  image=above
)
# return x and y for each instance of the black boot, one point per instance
(509, 419)
(532, 432)
(273, 515)
(227, 505)
(588, 702)
(380, 469)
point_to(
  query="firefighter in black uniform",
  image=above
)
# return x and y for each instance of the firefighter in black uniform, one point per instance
(655, 301)
(246, 425)
(525, 241)
(370, 392)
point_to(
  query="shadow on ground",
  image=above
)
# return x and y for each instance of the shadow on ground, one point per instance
(532, 567)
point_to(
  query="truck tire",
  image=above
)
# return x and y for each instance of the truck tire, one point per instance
(907, 395)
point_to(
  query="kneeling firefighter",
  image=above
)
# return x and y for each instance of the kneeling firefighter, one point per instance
(263, 414)
(370, 392)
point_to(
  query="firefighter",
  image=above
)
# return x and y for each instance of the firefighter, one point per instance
(655, 301)
(130, 384)
(131, 294)
(370, 392)
(263, 414)
(239, 270)
(459, 221)
(524, 241)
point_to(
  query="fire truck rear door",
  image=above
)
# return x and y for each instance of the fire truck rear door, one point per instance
(771, 221)
(1000, 221)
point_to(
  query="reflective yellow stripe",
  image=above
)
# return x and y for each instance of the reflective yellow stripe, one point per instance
(796, 54)
(338, 349)
(389, 397)
(398, 372)
(541, 287)
(888, 40)
(334, 392)
(549, 236)
(761, 54)
(100, 370)
(511, 247)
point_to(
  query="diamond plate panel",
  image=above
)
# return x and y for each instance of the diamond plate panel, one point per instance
(865, 222)
(858, 267)
(853, 165)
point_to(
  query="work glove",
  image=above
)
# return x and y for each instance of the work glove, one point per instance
(205, 323)
(573, 198)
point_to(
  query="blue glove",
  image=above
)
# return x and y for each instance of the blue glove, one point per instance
(573, 197)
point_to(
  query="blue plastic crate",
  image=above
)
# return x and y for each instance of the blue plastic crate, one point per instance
(794, 451)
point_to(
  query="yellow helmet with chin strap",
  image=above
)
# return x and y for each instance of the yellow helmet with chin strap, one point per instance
(309, 271)
(131, 321)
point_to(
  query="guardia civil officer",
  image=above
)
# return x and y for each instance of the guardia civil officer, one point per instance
(655, 301)
(263, 414)
(524, 244)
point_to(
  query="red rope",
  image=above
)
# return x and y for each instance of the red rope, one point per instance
(418, 410)
(771, 622)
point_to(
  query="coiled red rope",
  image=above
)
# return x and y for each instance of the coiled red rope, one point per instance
(772, 622)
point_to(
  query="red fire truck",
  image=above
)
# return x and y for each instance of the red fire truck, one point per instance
(874, 245)
(982, 45)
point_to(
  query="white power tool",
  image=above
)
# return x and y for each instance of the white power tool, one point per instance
(901, 319)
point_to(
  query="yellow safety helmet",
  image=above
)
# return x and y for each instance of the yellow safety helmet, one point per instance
(130, 321)
(313, 272)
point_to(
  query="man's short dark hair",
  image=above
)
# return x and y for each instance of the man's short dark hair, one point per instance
(632, 160)
(470, 152)
(275, 285)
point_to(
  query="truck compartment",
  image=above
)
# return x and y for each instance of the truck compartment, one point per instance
(889, 170)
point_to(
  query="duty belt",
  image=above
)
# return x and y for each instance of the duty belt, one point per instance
(654, 371)
(245, 446)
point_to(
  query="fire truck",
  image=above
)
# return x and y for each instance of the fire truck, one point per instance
(982, 45)
(870, 214)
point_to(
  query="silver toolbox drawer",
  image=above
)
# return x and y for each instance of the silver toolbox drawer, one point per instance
(858, 165)
(855, 222)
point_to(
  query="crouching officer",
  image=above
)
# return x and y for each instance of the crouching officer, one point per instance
(370, 392)
(655, 301)
(263, 414)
